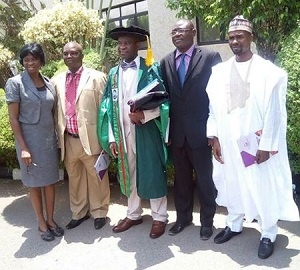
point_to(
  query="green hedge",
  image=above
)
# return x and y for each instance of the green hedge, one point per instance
(7, 144)
(289, 59)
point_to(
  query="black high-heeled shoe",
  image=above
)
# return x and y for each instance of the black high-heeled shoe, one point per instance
(46, 235)
(57, 230)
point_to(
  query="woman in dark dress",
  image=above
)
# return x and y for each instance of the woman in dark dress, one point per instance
(30, 98)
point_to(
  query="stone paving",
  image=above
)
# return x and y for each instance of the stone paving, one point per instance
(85, 248)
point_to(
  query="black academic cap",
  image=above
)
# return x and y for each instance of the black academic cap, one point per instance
(133, 31)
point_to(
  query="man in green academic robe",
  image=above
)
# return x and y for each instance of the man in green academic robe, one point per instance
(136, 138)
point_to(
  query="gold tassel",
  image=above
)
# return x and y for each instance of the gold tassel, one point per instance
(149, 57)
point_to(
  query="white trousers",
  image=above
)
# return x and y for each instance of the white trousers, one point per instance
(134, 211)
(235, 223)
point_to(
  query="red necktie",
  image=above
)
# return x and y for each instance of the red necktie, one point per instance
(71, 96)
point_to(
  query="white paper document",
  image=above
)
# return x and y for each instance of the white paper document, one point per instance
(102, 164)
(145, 90)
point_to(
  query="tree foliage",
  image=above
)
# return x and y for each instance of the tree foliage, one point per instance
(5, 56)
(7, 145)
(289, 59)
(13, 15)
(272, 20)
(64, 22)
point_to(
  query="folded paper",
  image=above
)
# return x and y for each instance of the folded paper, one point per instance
(102, 164)
(248, 146)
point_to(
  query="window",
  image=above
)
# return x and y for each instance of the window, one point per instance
(208, 35)
(127, 14)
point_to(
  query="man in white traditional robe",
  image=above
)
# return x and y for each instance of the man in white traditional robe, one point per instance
(247, 124)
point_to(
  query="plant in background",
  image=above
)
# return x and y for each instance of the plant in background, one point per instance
(5, 57)
(64, 22)
(50, 68)
(289, 59)
(13, 15)
(272, 20)
(111, 56)
(7, 143)
(92, 59)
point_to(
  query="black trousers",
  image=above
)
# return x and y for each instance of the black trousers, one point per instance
(186, 161)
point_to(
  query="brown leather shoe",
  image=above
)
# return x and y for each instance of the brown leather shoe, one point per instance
(125, 224)
(158, 229)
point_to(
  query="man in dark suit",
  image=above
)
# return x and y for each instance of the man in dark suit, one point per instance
(186, 72)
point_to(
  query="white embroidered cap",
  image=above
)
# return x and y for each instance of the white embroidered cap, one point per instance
(240, 23)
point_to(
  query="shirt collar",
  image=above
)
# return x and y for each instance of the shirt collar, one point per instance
(79, 71)
(189, 52)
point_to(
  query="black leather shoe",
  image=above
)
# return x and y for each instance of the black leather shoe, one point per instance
(76, 222)
(265, 249)
(225, 235)
(99, 223)
(206, 232)
(177, 228)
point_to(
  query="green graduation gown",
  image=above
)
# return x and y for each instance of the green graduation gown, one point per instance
(151, 151)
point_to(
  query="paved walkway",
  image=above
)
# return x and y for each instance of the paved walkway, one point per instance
(85, 248)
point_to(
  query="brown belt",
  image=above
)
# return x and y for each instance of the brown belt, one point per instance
(73, 135)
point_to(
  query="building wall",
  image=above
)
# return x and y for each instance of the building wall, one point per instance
(161, 21)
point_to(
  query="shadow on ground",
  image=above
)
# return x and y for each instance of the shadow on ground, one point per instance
(241, 249)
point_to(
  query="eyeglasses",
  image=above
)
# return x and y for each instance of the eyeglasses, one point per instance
(180, 31)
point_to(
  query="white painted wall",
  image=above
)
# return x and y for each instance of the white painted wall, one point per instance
(161, 21)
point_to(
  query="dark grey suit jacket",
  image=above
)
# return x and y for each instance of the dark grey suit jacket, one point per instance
(189, 104)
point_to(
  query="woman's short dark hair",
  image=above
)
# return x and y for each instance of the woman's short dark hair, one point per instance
(34, 49)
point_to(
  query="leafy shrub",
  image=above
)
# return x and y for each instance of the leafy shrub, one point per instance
(5, 56)
(289, 59)
(91, 59)
(50, 69)
(65, 21)
(7, 144)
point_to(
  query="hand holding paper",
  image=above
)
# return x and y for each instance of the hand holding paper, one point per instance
(248, 146)
(102, 164)
(148, 98)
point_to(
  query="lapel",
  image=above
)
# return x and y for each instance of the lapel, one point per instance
(49, 86)
(142, 72)
(83, 80)
(196, 56)
(60, 83)
(25, 77)
(172, 66)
